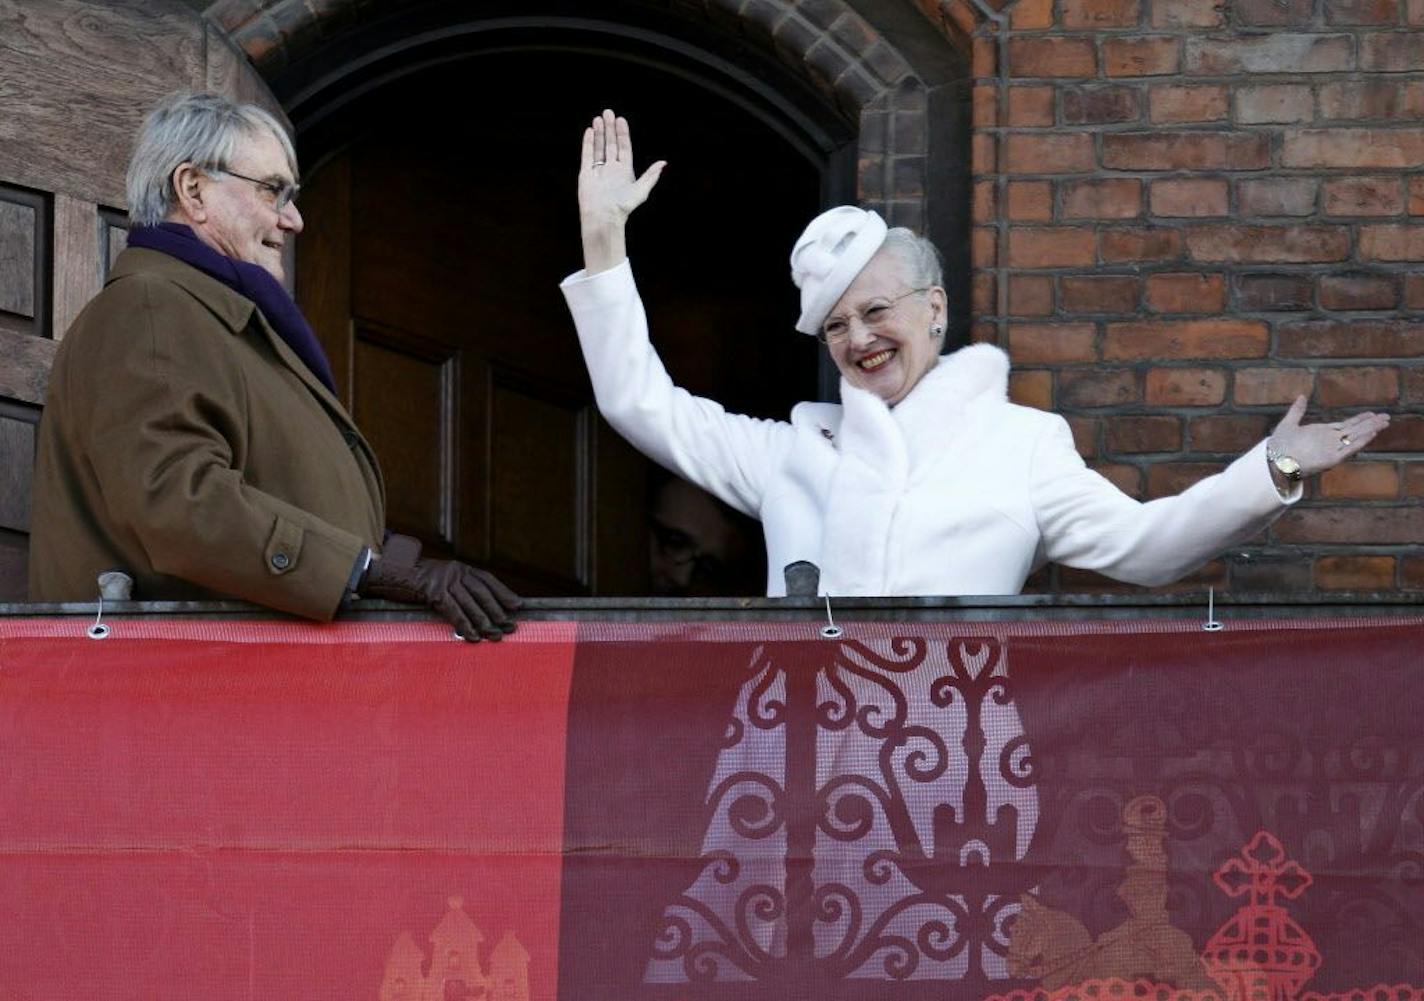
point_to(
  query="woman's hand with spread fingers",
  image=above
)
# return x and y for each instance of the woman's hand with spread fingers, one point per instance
(1318, 447)
(609, 190)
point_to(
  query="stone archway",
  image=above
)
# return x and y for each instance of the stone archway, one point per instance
(897, 72)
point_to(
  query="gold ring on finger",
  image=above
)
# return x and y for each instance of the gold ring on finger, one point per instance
(1344, 441)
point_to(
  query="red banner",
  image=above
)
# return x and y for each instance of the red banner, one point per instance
(748, 810)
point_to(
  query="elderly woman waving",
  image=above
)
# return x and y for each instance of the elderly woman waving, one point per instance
(924, 480)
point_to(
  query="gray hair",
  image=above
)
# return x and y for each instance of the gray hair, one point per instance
(202, 128)
(919, 257)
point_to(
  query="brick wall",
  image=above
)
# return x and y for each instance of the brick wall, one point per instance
(1189, 211)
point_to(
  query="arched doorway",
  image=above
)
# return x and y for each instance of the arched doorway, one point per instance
(440, 146)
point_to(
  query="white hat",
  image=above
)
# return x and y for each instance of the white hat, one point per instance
(827, 257)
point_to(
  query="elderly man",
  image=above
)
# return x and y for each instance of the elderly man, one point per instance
(192, 436)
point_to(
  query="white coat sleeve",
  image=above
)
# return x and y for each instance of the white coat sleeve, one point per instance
(1088, 523)
(731, 456)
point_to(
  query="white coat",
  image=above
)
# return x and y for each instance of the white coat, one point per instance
(954, 491)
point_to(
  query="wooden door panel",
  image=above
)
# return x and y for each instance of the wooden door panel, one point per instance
(537, 484)
(404, 397)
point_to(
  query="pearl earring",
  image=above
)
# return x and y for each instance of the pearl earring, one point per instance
(937, 330)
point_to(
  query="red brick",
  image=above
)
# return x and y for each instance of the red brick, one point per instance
(1199, 103)
(1275, 52)
(1166, 479)
(1153, 339)
(1358, 100)
(1031, 15)
(1361, 481)
(1050, 247)
(1255, 387)
(1276, 196)
(1353, 387)
(1256, 292)
(1354, 573)
(1155, 433)
(982, 154)
(1187, 14)
(1052, 57)
(1186, 387)
(1109, 198)
(1085, 434)
(1032, 389)
(1030, 201)
(984, 58)
(1357, 525)
(1411, 385)
(1098, 13)
(1350, 339)
(1227, 432)
(1414, 291)
(1140, 244)
(1268, 244)
(1361, 11)
(1094, 387)
(1363, 196)
(1192, 196)
(1272, 13)
(1100, 105)
(1414, 12)
(1185, 151)
(1414, 479)
(1098, 293)
(1126, 478)
(986, 201)
(983, 300)
(1392, 243)
(1392, 52)
(1404, 434)
(1030, 295)
(1416, 196)
(1359, 291)
(1397, 148)
(1274, 103)
(1411, 572)
(986, 106)
(984, 247)
(1054, 153)
(1052, 343)
(1186, 293)
(1030, 106)
(1142, 56)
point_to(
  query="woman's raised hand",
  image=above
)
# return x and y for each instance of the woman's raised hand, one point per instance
(1318, 447)
(608, 190)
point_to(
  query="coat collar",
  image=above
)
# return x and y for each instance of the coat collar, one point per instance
(234, 311)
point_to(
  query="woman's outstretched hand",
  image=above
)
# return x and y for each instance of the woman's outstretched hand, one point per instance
(608, 190)
(1318, 447)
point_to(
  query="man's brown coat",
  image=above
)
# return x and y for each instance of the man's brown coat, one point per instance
(184, 443)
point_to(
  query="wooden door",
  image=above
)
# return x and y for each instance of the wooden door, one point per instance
(436, 238)
(77, 78)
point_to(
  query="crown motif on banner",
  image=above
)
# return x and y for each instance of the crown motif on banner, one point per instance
(1260, 954)
(454, 970)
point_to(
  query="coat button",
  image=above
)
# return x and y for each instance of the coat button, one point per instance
(280, 561)
(350, 437)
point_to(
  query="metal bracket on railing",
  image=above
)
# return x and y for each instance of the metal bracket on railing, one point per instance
(1211, 625)
(830, 630)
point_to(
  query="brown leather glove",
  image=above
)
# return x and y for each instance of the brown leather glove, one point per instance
(471, 600)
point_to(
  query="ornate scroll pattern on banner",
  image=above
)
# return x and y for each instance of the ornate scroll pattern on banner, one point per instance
(1260, 954)
(867, 806)
(454, 970)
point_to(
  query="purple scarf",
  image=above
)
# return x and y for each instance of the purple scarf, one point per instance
(248, 281)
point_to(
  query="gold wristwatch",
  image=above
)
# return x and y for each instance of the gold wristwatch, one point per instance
(1287, 466)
